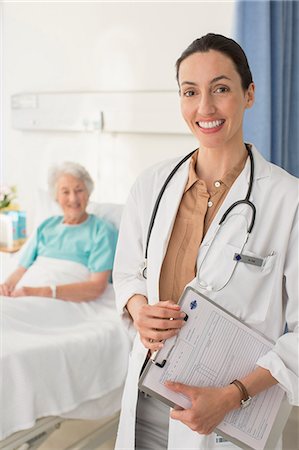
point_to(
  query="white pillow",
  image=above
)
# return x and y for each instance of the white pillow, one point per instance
(47, 207)
(109, 211)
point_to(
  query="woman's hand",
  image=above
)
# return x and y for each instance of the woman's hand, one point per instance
(204, 419)
(19, 292)
(26, 291)
(200, 417)
(6, 289)
(155, 323)
(9, 284)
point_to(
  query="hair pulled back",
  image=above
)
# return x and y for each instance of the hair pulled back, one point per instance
(222, 44)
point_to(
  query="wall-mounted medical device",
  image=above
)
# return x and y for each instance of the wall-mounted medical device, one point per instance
(120, 112)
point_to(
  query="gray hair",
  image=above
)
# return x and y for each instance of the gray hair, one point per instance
(68, 168)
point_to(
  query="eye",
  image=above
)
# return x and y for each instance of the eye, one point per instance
(189, 93)
(221, 90)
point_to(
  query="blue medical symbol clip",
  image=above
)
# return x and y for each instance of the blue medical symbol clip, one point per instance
(193, 304)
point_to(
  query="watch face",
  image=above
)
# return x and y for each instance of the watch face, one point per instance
(246, 403)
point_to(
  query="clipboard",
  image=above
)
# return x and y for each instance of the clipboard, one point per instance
(212, 349)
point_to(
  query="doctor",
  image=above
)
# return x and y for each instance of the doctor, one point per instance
(188, 246)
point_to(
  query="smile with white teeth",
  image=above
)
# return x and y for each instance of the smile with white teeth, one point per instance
(212, 124)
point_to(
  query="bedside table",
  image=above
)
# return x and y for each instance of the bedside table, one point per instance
(17, 246)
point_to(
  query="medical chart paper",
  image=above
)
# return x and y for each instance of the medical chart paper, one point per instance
(212, 349)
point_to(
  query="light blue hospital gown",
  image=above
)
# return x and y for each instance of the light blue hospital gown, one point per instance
(91, 243)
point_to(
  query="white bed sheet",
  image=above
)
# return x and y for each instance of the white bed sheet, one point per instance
(59, 358)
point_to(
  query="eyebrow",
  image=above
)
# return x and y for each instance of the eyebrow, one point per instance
(214, 80)
(67, 187)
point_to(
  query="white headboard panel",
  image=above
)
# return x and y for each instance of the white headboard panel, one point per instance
(120, 112)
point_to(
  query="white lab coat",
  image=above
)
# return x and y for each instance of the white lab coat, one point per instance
(265, 298)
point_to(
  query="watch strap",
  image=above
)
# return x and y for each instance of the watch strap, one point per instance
(243, 390)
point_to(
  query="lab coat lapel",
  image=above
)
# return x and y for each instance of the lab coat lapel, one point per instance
(163, 226)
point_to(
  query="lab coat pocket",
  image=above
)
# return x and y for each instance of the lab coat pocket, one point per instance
(266, 262)
(251, 287)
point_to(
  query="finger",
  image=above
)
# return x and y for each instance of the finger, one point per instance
(178, 408)
(149, 312)
(180, 414)
(146, 326)
(181, 388)
(165, 313)
(164, 324)
(4, 290)
(162, 335)
(163, 310)
(16, 293)
(156, 345)
(168, 304)
(8, 291)
(151, 344)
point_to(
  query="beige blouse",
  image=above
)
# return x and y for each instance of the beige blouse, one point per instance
(197, 209)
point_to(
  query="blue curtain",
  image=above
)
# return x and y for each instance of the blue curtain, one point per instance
(268, 31)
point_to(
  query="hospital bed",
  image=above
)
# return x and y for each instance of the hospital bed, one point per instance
(61, 360)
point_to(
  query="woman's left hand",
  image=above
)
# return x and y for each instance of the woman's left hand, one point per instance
(21, 292)
(209, 406)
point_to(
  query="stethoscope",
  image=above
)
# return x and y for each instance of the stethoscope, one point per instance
(245, 201)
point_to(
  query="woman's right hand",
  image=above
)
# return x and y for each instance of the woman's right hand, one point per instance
(10, 283)
(6, 289)
(155, 323)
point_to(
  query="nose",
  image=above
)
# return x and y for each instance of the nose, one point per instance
(206, 105)
(72, 197)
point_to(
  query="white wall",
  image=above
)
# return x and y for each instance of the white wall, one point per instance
(95, 46)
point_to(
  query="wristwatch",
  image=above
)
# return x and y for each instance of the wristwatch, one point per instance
(246, 399)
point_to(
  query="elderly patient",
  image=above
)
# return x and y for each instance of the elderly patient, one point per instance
(77, 242)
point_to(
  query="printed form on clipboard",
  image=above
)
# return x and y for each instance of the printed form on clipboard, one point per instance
(213, 349)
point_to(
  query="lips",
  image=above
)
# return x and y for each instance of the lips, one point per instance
(208, 125)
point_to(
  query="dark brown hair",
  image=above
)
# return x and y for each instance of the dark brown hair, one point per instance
(224, 45)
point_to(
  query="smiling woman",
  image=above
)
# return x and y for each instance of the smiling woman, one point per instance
(71, 187)
(76, 239)
(205, 234)
(213, 102)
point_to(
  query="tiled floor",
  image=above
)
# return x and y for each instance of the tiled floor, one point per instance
(291, 431)
(70, 431)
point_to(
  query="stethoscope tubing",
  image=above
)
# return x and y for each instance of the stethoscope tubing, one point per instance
(239, 202)
(160, 195)
(246, 200)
